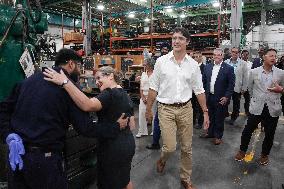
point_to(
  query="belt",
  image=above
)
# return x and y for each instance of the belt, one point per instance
(46, 152)
(178, 104)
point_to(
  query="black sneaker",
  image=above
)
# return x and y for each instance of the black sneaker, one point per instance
(153, 147)
(197, 126)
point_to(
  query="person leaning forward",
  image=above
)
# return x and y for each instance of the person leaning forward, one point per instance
(34, 120)
(175, 76)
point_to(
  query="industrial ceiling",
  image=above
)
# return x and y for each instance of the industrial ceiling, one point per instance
(142, 8)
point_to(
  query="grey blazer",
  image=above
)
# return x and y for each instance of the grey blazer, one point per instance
(260, 95)
(241, 75)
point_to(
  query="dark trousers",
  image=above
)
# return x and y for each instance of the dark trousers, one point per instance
(269, 123)
(217, 116)
(236, 97)
(247, 101)
(156, 131)
(39, 172)
(197, 111)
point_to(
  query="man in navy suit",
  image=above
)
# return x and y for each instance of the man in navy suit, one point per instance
(258, 61)
(218, 81)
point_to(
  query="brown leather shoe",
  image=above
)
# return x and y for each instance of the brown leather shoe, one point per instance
(263, 160)
(160, 166)
(217, 141)
(187, 185)
(240, 156)
(205, 135)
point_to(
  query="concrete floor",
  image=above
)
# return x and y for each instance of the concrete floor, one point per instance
(214, 167)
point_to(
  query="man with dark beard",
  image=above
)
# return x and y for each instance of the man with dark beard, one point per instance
(34, 120)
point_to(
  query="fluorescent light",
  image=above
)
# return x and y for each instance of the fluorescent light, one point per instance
(182, 15)
(216, 4)
(147, 20)
(131, 15)
(143, 0)
(275, 0)
(169, 9)
(100, 7)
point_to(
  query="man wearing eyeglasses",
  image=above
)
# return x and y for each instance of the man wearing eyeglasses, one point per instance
(241, 82)
(174, 78)
(218, 80)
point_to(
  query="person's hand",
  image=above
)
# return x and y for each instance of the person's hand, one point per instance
(149, 116)
(206, 121)
(276, 89)
(123, 121)
(223, 100)
(54, 77)
(16, 149)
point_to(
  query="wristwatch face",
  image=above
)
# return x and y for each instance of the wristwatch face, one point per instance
(65, 81)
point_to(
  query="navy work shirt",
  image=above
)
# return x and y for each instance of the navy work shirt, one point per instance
(41, 112)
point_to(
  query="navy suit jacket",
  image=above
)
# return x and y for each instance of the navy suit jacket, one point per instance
(256, 63)
(225, 81)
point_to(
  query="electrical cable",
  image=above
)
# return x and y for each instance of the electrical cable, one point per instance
(38, 11)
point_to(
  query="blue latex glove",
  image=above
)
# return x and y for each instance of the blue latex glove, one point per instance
(16, 149)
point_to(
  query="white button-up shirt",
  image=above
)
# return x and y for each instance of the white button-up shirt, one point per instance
(144, 83)
(215, 71)
(174, 82)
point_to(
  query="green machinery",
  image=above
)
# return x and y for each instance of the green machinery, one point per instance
(18, 28)
(19, 25)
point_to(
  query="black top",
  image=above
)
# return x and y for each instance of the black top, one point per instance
(40, 112)
(114, 102)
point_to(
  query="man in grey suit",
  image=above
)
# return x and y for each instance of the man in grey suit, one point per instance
(265, 105)
(241, 75)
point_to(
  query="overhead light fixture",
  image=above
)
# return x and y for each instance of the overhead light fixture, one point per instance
(147, 20)
(131, 15)
(216, 4)
(169, 9)
(100, 7)
(182, 15)
(275, 0)
(143, 0)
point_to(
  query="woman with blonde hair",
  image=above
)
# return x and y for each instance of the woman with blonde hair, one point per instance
(114, 154)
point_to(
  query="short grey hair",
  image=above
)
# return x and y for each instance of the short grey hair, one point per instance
(150, 62)
(218, 50)
(107, 70)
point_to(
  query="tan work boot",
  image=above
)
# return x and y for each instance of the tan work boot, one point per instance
(187, 185)
(263, 160)
(240, 156)
(160, 166)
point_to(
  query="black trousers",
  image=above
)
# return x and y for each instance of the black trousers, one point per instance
(39, 172)
(217, 116)
(247, 101)
(197, 111)
(270, 124)
(236, 97)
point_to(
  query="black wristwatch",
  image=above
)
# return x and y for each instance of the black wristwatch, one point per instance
(65, 81)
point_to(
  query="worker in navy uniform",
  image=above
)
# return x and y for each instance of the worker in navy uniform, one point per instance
(33, 122)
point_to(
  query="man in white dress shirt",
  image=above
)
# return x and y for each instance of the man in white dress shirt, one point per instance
(175, 76)
(245, 56)
(241, 82)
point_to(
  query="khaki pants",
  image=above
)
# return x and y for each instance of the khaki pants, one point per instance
(177, 121)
